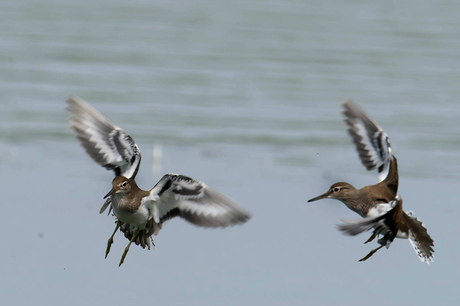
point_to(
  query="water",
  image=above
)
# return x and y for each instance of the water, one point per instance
(244, 95)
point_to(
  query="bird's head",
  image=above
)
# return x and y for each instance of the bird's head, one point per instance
(120, 184)
(340, 191)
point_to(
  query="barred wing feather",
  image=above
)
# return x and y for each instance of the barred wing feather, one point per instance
(420, 240)
(178, 195)
(371, 141)
(107, 144)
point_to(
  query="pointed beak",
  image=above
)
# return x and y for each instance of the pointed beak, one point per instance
(110, 193)
(323, 196)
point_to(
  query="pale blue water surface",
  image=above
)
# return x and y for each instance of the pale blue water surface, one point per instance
(244, 95)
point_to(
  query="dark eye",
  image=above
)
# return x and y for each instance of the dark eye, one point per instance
(123, 184)
(336, 189)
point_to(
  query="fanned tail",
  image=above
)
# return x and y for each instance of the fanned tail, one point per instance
(420, 239)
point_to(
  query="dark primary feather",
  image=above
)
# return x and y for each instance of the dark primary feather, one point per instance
(107, 144)
(372, 143)
(199, 204)
(105, 205)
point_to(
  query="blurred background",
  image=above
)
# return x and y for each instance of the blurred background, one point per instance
(245, 96)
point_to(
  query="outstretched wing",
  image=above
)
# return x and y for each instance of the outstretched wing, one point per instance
(371, 141)
(107, 144)
(178, 195)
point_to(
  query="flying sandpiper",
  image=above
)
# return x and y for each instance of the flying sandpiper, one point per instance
(380, 205)
(141, 214)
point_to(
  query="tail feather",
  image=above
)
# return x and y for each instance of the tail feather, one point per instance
(420, 239)
(389, 224)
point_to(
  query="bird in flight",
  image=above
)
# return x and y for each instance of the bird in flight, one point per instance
(141, 214)
(380, 205)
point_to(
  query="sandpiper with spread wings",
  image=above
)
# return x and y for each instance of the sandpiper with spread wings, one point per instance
(380, 205)
(141, 214)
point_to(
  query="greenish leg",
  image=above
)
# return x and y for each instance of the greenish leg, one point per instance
(374, 234)
(109, 243)
(127, 248)
(371, 253)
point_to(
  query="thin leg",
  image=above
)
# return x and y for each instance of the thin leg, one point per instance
(374, 234)
(371, 253)
(153, 242)
(109, 243)
(127, 248)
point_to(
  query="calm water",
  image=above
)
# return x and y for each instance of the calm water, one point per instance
(244, 95)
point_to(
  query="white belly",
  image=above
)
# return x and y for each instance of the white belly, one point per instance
(401, 235)
(379, 210)
(138, 218)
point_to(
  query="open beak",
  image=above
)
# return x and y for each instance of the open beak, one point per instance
(323, 196)
(110, 193)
